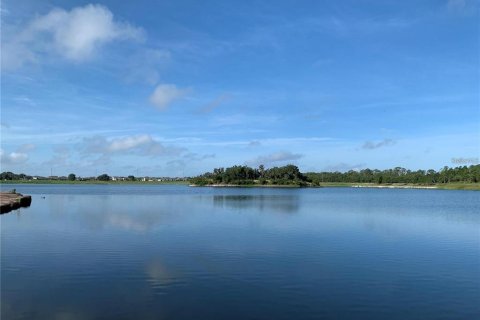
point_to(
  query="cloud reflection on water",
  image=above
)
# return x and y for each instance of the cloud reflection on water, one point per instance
(272, 203)
(159, 274)
(123, 214)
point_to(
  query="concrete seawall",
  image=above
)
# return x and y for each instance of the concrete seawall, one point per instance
(11, 201)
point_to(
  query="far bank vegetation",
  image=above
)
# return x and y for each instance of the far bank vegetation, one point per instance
(290, 175)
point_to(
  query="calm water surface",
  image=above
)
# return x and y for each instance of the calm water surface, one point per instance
(174, 252)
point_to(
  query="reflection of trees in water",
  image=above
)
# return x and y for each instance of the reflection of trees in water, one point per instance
(273, 203)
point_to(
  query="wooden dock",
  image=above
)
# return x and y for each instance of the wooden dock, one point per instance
(11, 201)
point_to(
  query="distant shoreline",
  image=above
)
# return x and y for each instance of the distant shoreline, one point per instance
(443, 186)
(180, 182)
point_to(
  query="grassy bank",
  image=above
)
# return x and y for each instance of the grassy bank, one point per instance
(459, 186)
(446, 186)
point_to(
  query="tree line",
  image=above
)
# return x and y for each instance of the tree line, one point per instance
(7, 175)
(290, 175)
(464, 174)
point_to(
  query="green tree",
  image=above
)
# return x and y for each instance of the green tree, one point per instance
(380, 180)
(104, 177)
(261, 170)
(72, 177)
(7, 175)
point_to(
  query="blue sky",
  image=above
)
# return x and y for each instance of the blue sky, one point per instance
(172, 88)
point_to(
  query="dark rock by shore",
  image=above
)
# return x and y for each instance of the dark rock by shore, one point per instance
(11, 201)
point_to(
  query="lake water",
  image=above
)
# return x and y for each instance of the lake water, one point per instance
(175, 252)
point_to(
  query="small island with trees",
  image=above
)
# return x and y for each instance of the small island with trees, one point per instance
(288, 175)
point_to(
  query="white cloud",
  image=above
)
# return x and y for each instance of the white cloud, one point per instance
(19, 156)
(12, 157)
(75, 35)
(127, 143)
(272, 158)
(165, 94)
(143, 145)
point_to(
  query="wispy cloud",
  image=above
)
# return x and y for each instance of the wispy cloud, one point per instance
(278, 142)
(24, 148)
(254, 143)
(242, 119)
(272, 158)
(3, 10)
(23, 100)
(145, 65)
(60, 157)
(417, 100)
(143, 145)
(197, 157)
(370, 145)
(456, 4)
(212, 105)
(463, 6)
(166, 94)
(75, 35)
